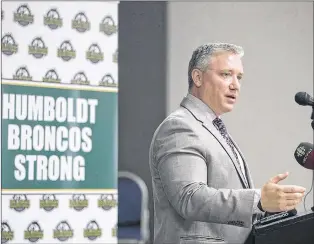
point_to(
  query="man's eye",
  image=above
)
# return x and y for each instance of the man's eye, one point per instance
(226, 74)
(239, 77)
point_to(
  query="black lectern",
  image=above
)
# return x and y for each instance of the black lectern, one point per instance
(298, 229)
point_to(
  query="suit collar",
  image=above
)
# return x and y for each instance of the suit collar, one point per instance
(198, 108)
(206, 115)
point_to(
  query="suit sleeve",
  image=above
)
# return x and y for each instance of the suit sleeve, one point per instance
(180, 161)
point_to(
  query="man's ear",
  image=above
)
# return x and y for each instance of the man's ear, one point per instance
(197, 77)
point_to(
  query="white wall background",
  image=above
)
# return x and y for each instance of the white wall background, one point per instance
(278, 42)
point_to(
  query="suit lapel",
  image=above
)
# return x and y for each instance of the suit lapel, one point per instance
(205, 115)
(248, 175)
(212, 129)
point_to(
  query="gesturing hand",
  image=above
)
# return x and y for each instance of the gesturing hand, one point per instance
(278, 198)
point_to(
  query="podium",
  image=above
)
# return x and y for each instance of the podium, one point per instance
(298, 229)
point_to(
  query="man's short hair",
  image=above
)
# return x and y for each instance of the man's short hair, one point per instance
(201, 56)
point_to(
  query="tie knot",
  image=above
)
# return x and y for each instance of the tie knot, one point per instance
(219, 124)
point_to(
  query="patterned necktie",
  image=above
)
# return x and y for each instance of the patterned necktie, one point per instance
(223, 131)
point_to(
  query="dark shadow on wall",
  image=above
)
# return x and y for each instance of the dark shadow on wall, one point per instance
(142, 84)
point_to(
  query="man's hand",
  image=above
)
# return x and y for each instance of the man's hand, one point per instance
(278, 198)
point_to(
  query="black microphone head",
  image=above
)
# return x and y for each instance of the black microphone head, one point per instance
(304, 155)
(304, 99)
(309, 162)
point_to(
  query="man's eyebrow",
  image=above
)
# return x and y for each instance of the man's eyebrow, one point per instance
(230, 70)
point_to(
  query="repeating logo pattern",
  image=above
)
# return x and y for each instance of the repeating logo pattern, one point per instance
(49, 202)
(19, 203)
(107, 80)
(23, 15)
(66, 51)
(34, 232)
(51, 76)
(94, 53)
(53, 20)
(38, 48)
(107, 201)
(115, 57)
(63, 230)
(92, 230)
(6, 232)
(81, 21)
(108, 26)
(8, 45)
(22, 73)
(80, 79)
(78, 202)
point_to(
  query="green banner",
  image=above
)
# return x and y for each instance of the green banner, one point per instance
(58, 137)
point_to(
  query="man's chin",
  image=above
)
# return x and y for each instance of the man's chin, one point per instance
(228, 108)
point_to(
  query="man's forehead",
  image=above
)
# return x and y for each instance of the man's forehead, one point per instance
(227, 61)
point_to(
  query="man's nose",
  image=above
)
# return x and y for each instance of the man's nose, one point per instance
(236, 83)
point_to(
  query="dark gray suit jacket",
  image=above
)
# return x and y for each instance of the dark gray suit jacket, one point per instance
(200, 195)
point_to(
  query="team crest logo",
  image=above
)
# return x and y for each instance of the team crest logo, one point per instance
(107, 201)
(52, 19)
(80, 79)
(8, 45)
(81, 23)
(92, 230)
(94, 54)
(22, 74)
(108, 26)
(66, 51)
(38, 48)
(51, 76)
(108, 81)
(114, 231)
(48, 202)
(33, 232)
(63, 231)
(78, 202)
(19, 202)
(23, 15)
(115, 57)
(6, 232)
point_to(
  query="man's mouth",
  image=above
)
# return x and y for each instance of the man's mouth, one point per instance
(231, 96)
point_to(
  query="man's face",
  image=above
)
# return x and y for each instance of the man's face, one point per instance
(219, 85)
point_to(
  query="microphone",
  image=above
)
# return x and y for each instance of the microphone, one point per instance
(304, 99)
(304, 155)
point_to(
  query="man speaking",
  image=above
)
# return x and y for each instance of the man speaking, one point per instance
(202, 187)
